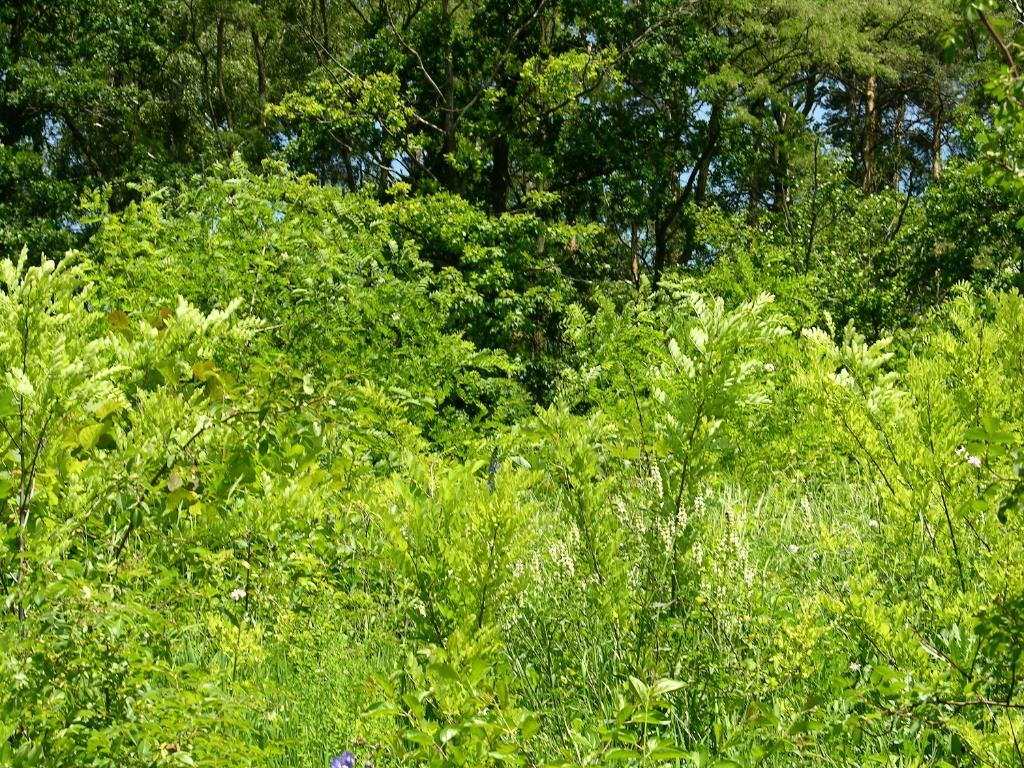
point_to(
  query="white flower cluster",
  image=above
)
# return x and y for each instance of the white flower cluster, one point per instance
(699, 503)
(805, 506)
(724, 562)
(974, 461)
(698, 553)
(667, 533)
(561, 552)
(669, 530)
(656, 481)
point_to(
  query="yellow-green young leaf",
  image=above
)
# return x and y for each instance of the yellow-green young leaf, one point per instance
(204, 369)
(699, 337)
(108, 407)
(638, 686)
(89, 435)
(8, 406)
(665, 685)
(180, 497)
(20, 383)
(529, 726)
(7, 485)
(619, 753)
(668, 753)
(418, 737)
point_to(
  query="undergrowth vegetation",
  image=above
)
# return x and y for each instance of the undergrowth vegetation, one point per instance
(244, 527)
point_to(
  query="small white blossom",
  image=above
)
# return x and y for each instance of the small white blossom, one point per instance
(843, 378)
(793, 549)
(561, 556)
(974, 461)
(769, 367)
(237, 594)
(855, 666)
(681, 518)
(872, 523)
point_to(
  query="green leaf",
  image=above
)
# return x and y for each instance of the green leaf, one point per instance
(417, 736)
(638, 686)
(89, 435)
(620, 753)
(8, 405)
(668, 753)
(666, 686)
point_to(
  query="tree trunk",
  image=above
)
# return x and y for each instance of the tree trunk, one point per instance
(449, 174)
(812, 230)
(634, 254)
(499, 174)
(870, 133)
(384, 176)
(209, 106)
(326, 32)
(261, 80)
(350, 173)
(780, 162)
(660, 249)
(221, 44)
(690, 242)
(898, 129)
(810, 94)
(501, 177)
(754, 201)
(937, 143)
(704, 166)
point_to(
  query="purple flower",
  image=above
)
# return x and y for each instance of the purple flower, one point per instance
(492, 469)
(344, 760)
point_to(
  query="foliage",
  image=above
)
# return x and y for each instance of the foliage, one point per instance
(546, 383)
